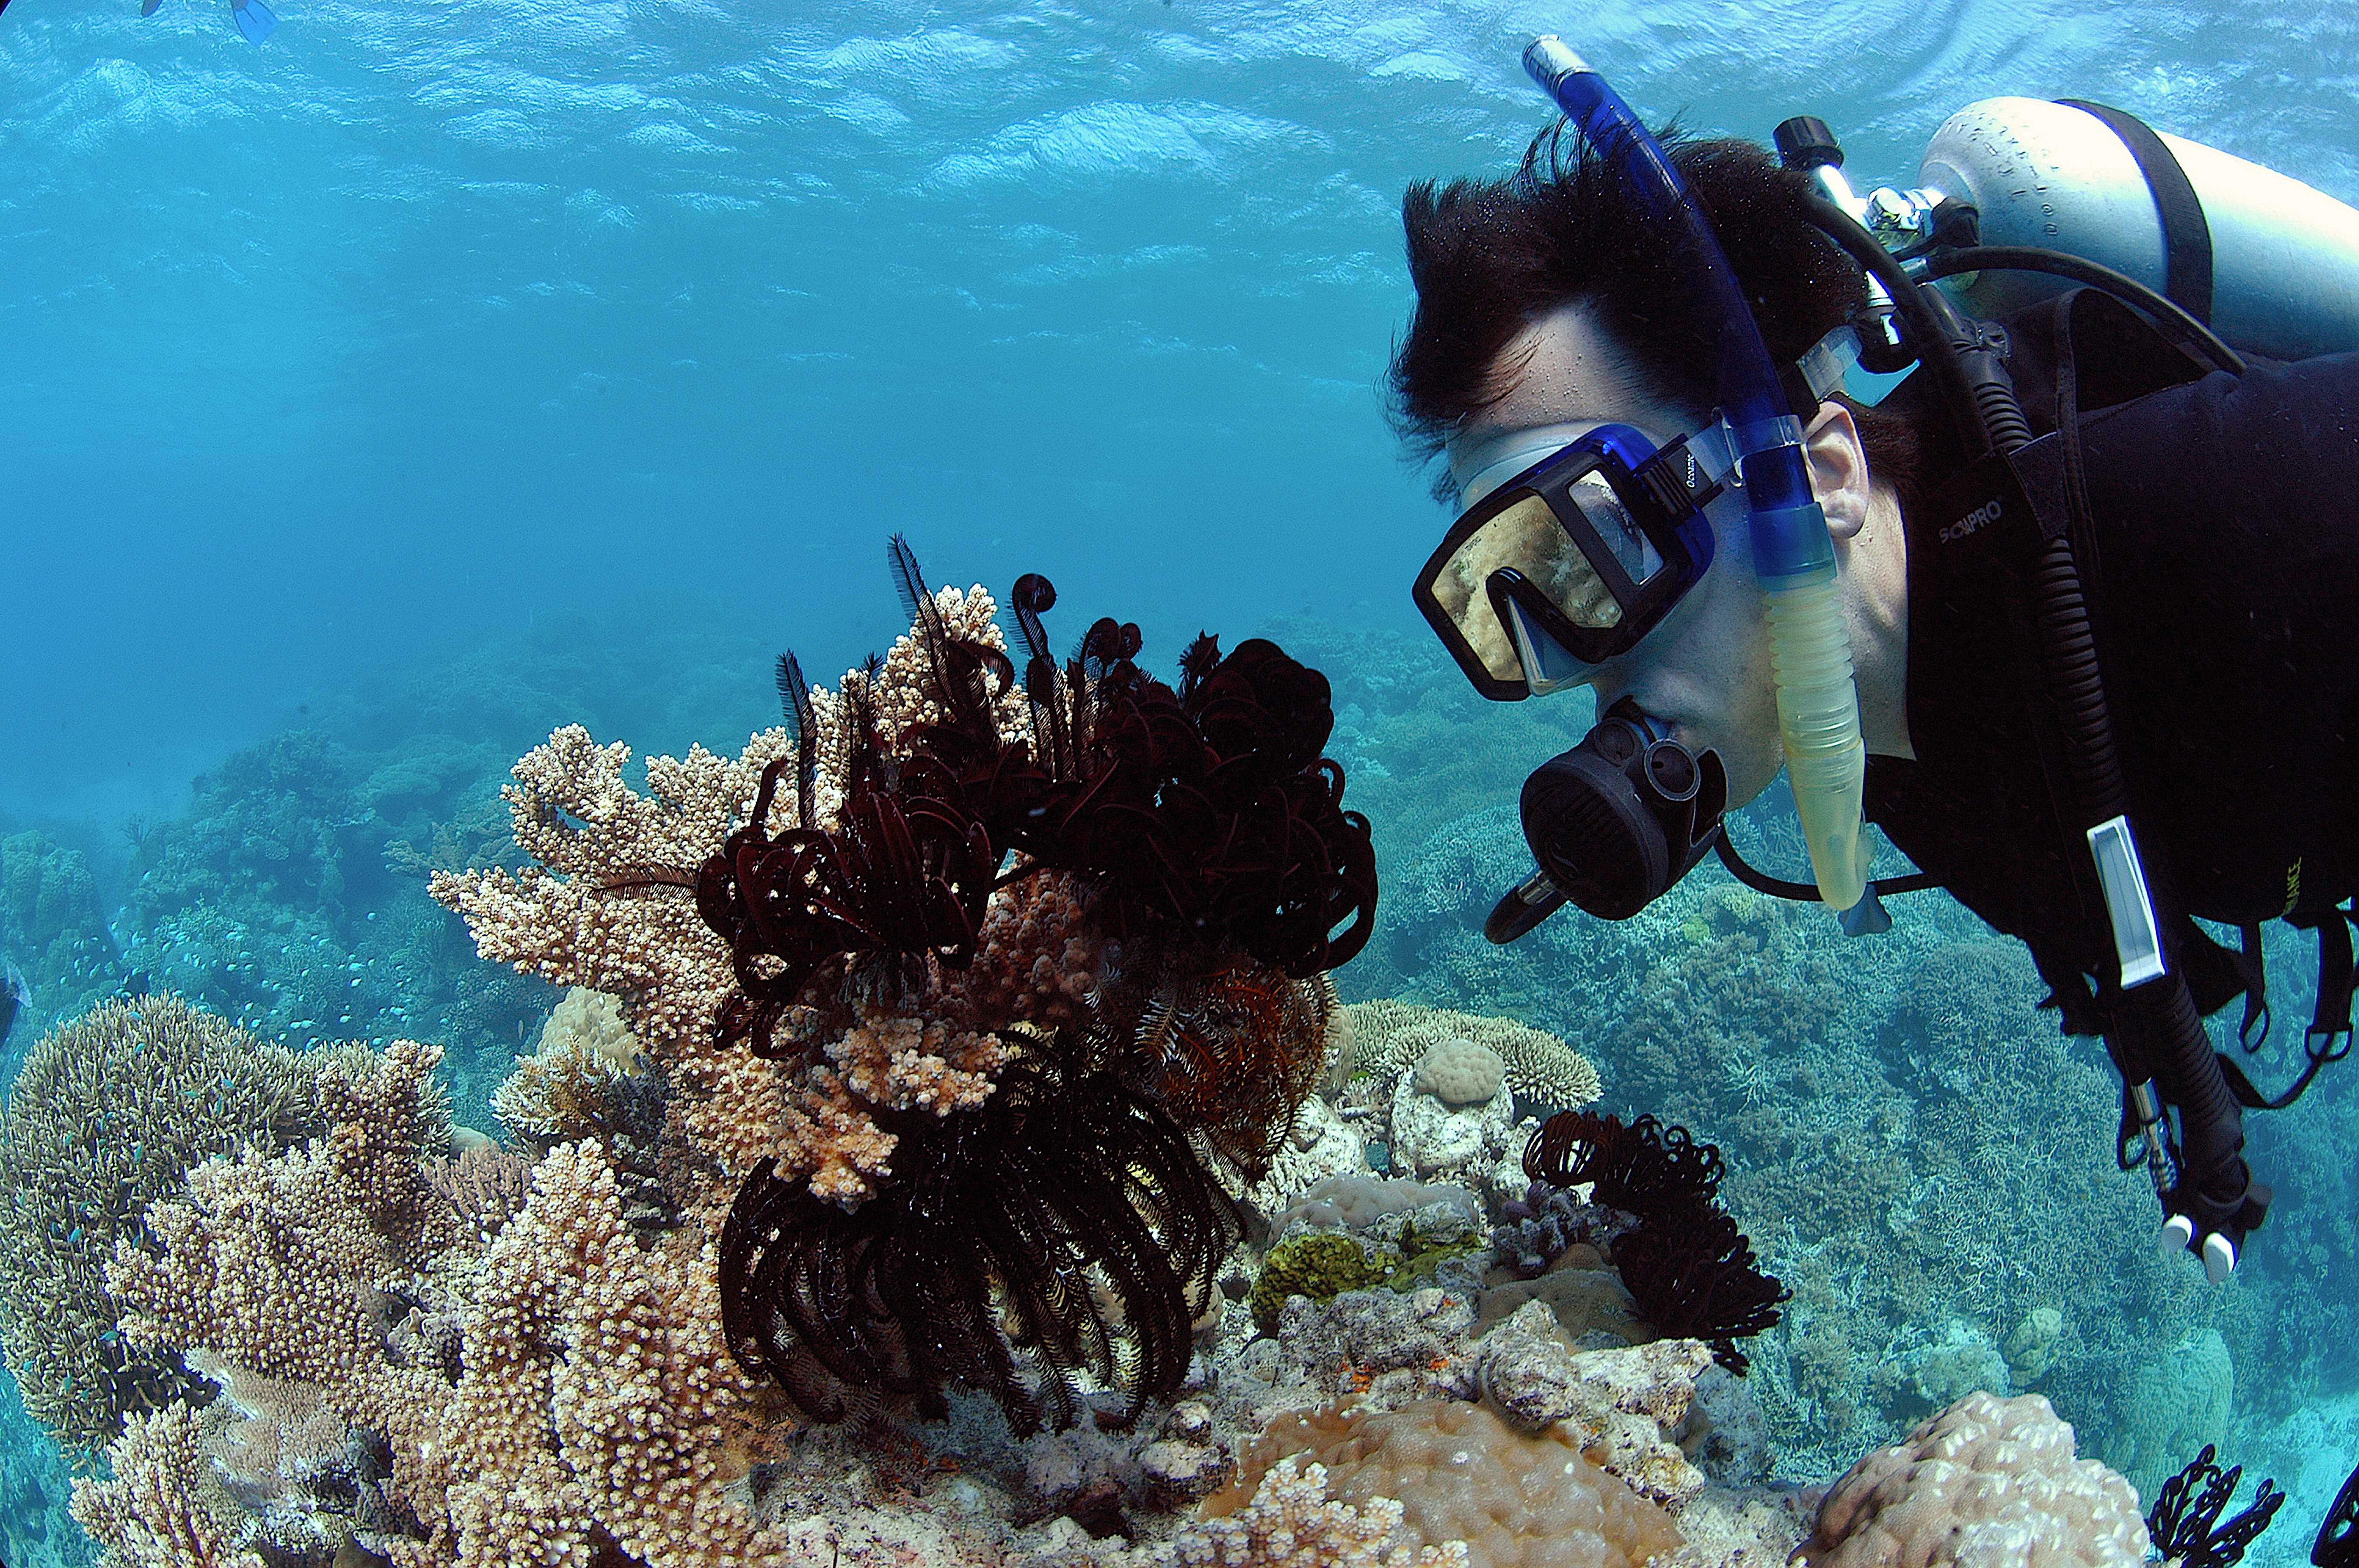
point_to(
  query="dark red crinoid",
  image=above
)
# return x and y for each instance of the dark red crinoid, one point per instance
(1688, 1266)
(1205, 813)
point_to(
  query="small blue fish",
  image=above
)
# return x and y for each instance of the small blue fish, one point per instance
(15, 996)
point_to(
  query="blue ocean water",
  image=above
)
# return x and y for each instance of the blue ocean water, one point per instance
(431, 375)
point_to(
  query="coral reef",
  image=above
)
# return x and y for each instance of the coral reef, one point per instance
(968, 1082)
(101, 1123)
(1458, 1071)
(599, 1407)
(295, 1268)
(162, 1507)
(2177, 1402)
(53, 929)
(1475, 1144)
(1537, 1228)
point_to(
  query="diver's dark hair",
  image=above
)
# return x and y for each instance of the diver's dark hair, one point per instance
(1489, 258)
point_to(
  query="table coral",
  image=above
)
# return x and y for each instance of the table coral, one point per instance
(1389, 1037)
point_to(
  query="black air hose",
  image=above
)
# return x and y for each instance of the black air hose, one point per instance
(2214, 1188)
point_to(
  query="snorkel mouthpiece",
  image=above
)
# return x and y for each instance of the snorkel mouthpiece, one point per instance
(1818, 703)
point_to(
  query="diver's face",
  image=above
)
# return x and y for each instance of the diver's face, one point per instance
(1706, 667)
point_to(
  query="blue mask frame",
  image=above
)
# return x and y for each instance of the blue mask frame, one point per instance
(1661, 494)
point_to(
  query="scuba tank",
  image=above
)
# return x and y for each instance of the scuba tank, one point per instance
(2271, 264)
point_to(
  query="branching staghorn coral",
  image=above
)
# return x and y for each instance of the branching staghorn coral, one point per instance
(599, 1404)
(101, 1123)
(295, 1268)
(485, 1186)
(161, 1507)
(562, 1392)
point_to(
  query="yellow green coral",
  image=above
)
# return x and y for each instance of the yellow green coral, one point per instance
(1321, 1265)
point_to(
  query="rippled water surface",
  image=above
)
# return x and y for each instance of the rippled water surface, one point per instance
(457, 367)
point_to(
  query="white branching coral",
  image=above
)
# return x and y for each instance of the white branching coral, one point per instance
(909, 1063)
(1291, 1524)
(585, 914)
(598, 1399)
(607, 908)
(899, 697)
(161, 1507)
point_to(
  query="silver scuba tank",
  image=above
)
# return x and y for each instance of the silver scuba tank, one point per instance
(2283, 258)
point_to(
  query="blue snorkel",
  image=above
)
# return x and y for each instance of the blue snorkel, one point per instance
(1818, 705)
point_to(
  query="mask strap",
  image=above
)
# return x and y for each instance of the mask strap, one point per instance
(1819, 374)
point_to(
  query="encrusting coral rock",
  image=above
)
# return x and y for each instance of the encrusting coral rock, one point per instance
(1461, 1474)
(1630, 1402)
(1290, 1521)
(1986, 1482)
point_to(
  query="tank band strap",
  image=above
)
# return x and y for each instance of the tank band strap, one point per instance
(2186, 237)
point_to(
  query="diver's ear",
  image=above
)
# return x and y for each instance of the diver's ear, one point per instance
(1838, 468)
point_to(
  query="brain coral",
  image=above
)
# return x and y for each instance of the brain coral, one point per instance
(1459, 1071)
(1461, 1474)
(1388, 1037)
(1987, 1481)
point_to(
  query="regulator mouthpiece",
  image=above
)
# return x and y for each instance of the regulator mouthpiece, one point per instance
(1614, 822)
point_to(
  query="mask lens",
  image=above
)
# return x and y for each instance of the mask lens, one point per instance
(1617, 531)
(1525, 537)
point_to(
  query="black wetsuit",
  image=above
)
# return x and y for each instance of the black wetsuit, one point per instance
(2220, 550)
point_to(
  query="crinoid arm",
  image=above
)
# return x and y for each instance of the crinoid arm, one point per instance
(973, 1271)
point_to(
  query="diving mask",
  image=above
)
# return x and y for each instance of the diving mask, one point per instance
(1571, 549)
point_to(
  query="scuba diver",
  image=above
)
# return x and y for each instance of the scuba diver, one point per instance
(2067, 613)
